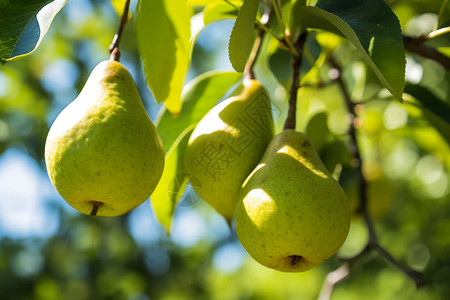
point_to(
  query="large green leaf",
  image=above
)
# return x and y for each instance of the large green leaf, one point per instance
(23, 25)
(199, 96)
(241, 39)
(163, 34)
(173, 181)
(373, 29)
(435, 111)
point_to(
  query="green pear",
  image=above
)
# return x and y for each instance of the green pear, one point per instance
(227, 144)
(103, 153)
(291, 214)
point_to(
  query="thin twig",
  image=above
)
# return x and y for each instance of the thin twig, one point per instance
(248, 69)
(438, 32)
(296, 64)
(232, 4)
(286, 41)
(332, 279)
(414, 275)
(416, 45)
(263, 26)
(114, 47)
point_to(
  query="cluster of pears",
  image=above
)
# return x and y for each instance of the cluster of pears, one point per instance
(289, 212)
(105, 157)
(103, 153)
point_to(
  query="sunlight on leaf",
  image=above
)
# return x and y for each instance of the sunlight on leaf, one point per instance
(371, 27)
(173, 181)
(198, 97)
(241, 39)
(163, 34)
(221, 10)
(200, 2)
(23, 25)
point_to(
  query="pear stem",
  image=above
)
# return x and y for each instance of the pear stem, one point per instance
(248, 70)
(295, 85)
(114, 47)
(373, 243)
(95, 206)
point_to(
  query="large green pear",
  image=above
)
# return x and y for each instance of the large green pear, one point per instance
(291, 214)
(227, 144)
(103, 153)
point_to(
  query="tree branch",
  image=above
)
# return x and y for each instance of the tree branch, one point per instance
(372, 243)
(414, 275)
(354, 147)
(416, 45)
(114, 47)
(296, 64)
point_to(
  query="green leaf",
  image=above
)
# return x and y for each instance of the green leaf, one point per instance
(241, 39)
(199, 96)
(221, 10)
(23, 25)
(163, 34)
(435, 111)
(171, 186)
(293, 22)
(444, 15)
(317, 130)
(371, 26)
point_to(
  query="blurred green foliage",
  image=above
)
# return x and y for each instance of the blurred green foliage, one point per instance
(406, 164)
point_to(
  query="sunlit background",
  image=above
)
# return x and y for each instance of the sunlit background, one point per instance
(48, 250)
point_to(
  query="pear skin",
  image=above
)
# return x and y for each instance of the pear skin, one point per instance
(227, 144)
(103, 153)
(291, 214)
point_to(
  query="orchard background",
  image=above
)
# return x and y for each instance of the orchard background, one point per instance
(392, 158)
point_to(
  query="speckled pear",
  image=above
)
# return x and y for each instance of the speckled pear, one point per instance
(103, 153)
(291, 214)
(227, 144)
